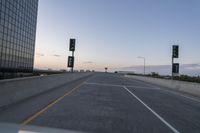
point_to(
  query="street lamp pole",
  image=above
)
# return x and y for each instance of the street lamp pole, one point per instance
(144, 62)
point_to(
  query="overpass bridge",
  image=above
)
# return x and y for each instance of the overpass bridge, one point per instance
(98, 102)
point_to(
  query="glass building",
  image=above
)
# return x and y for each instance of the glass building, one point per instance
(18, 20)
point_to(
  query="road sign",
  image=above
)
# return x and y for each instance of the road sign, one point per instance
(70, 61)
(72, 44)
(175, 68)
(175, 51)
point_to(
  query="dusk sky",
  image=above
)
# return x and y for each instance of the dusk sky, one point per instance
(113, 33)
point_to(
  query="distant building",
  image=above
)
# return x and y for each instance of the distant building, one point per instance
(18, 20)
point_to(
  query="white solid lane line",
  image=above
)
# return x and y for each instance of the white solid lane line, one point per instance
(142, 87)
(169, 91)
(114, 85)
(141, 82)
(157, 115)
(125, 87)
(89, 83)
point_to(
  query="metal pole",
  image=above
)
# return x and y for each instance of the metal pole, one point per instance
(172, 67)
(73, 64)
(144, 66)
(144, 63)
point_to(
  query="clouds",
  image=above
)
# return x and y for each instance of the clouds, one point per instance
(56, 55)
(192, 67)
(88, 62)
(39, 54)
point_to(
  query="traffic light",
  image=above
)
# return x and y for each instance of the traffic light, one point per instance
(72, 44)
(70, 61)
(175, 68)
(175, 51)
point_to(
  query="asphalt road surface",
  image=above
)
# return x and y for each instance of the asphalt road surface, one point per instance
(108, 103)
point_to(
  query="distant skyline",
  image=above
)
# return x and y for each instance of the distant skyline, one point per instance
(113, 33)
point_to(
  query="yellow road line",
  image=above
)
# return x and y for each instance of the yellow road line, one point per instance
(28, 120)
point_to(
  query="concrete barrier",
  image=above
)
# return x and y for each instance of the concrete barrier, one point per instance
(187, 87)
(14, 90)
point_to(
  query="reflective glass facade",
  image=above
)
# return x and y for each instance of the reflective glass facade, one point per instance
(18, 20)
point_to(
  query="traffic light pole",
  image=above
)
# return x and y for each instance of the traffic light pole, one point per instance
(144, 62)
(72, 69)
(144, 66)
(172, 67)
(72, 43)
(175, 66)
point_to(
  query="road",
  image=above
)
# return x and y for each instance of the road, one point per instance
(106, 103)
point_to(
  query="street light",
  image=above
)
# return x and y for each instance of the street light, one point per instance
(144, 62)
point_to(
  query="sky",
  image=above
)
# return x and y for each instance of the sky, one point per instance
(113, 33)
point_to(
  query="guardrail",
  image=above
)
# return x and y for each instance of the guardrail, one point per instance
(188, 87)
(14, 90)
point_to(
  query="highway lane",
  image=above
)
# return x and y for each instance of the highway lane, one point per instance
(108, 103)
(180, 111)
(18, 112)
